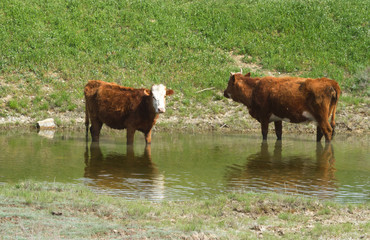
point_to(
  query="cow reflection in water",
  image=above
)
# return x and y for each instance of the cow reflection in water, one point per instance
(126, 175)
(286, 174)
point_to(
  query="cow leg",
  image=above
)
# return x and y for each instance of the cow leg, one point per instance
(323, 126)
(319, 134)
(130, 135)
(333, 130)
(265, 129)
(87, 131)
(148, 137)
(95, 130)
(326, 130)
(87, 123)
(278, 129)
(332, 124)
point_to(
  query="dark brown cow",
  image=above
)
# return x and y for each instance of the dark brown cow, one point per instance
(291, 99)
(123, 108)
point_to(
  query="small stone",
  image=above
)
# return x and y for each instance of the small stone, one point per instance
(46, 124)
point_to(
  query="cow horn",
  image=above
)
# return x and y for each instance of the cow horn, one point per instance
(241, 70)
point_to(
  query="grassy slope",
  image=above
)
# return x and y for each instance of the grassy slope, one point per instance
(64, 211)
(49, 49)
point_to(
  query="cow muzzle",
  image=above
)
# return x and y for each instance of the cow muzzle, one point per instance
(161, 110)
(227, 95)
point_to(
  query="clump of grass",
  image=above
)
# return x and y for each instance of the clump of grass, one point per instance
(13, 104)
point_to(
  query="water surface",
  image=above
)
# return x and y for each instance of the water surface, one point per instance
(182, 166)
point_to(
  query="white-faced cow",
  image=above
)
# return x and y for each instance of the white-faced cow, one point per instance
(290, 99)
(123, 108)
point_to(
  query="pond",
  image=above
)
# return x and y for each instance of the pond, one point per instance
(182, 166)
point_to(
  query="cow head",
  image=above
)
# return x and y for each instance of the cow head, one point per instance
(232, 86)
(158, 94)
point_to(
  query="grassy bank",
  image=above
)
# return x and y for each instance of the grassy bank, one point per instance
(51, 48)
(54, 210)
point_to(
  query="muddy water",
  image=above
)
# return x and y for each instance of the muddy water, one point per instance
(181, 166)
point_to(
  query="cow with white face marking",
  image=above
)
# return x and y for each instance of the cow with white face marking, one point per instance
(290, 99)
(123, 108)
(159, 93)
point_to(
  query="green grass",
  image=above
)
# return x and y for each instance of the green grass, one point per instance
(51, 48)
(65, 211)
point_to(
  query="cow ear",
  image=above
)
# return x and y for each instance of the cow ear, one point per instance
(248, 74)
(169, 92)
(232, 79)
(147, 92)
